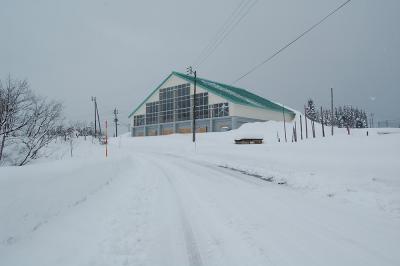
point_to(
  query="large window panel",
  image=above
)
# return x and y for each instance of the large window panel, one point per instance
(138, 120)
(202, 105)
(176, 104)
(220, 109)
(182, 102)
(152, 113)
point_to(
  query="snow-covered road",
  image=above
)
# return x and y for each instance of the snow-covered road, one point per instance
(159, 207)
(227, 218)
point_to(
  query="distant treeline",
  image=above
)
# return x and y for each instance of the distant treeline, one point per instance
(343, 116)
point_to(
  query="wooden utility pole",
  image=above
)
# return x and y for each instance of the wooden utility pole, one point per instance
(372, 120)
(305, 120)
(332, 111)
(194, 108)
(98, 118)
(95, 116)
(293, 134)
(322, 123)
(313, 128)
(106, 140)
(116, 121)
(191, 72)
(301, 128)
(284, 122)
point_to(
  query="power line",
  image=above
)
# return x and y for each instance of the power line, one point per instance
(221, 30)
(229, 30)
(290, 43)
(243, 11)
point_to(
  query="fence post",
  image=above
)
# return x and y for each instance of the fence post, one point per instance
(305, 120)
(301, 128)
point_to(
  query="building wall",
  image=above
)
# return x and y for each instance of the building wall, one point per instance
(174, 81)
(137, 131)
(184, 127)
(257, 113)
(166, 129)
(239, 121)
(217, 124)
(238, 115)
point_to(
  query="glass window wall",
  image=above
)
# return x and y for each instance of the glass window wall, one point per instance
(175, 104)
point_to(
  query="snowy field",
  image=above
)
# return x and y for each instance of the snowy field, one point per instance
(163, 201)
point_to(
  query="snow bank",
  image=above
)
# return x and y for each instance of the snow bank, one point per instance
(155, 197)
(351, 168)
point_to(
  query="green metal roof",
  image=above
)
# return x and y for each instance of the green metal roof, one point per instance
(228, 92)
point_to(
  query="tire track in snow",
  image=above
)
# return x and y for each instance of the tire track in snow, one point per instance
(192, 249)
(256, 254)
(327, 229)
(218, 236)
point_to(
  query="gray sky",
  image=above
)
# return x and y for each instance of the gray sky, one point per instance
(120, 50)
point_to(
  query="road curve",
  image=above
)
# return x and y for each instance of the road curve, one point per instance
(227, 218)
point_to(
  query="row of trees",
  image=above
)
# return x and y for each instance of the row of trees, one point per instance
(74, 130)
(27, 122)
(343, 116)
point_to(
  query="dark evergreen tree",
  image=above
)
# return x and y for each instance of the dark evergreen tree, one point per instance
(343, 116)
(311, 113)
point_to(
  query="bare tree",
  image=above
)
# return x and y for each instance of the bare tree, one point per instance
(82, 128)
(45, 117)
(14, 108)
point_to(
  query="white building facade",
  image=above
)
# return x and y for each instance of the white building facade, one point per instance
(219, 107)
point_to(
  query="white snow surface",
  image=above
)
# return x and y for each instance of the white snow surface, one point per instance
(164, 201)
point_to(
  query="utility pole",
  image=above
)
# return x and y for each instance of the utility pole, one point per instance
(372, 120)
(305, 120)
(191, 72)
(106, 140)
(194, 107)
(322, 122)
(95, 116)
(284, 121)
(332, 111)
(98, 118)
(301, 128)
(116, 121)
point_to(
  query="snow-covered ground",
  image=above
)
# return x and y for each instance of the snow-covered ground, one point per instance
(164, 201)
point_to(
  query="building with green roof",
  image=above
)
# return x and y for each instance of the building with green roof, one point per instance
(219, 107)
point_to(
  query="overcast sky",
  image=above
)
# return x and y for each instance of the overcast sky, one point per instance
(120, 51)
